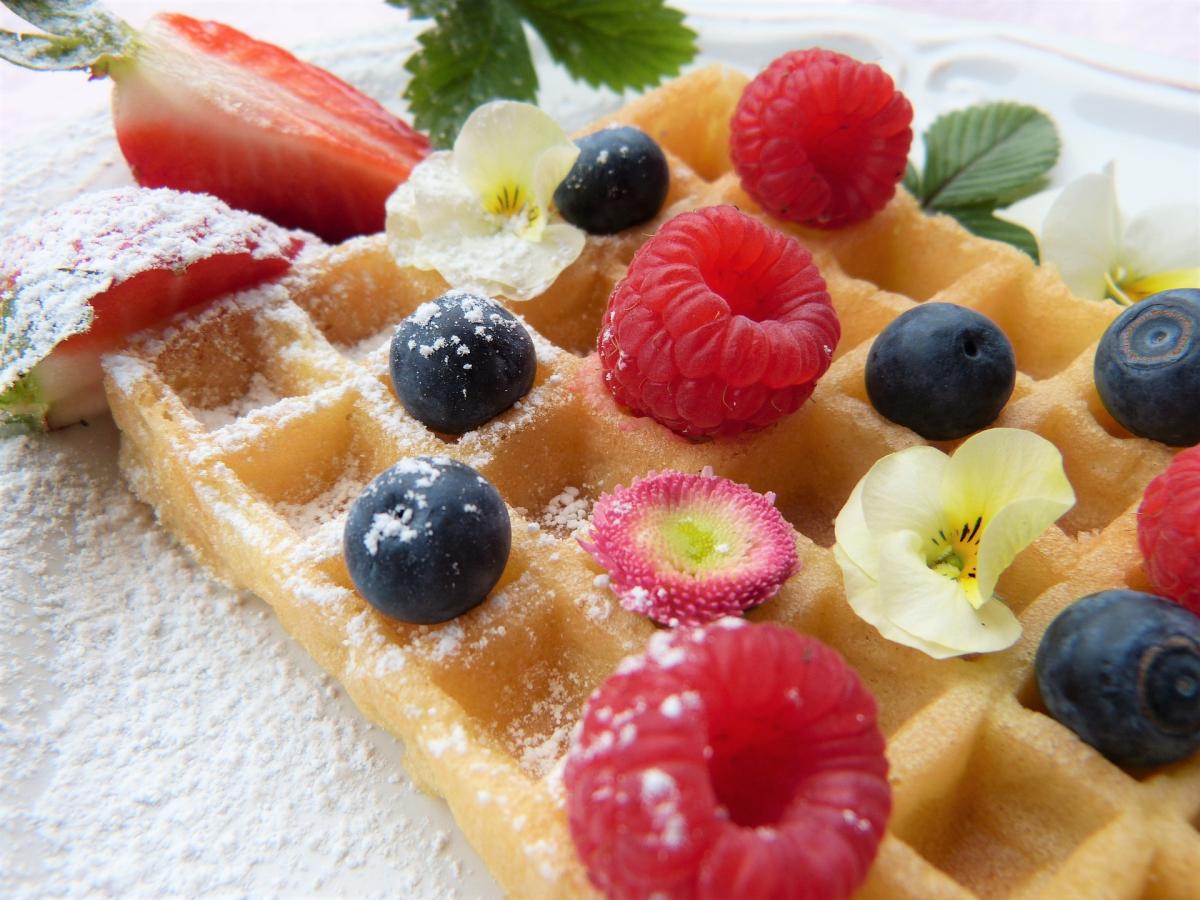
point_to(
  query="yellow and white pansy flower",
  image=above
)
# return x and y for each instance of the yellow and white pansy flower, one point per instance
(1083, 233)
(481, 214)
(924, 538)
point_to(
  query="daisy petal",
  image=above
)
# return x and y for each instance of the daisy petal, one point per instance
(1082, 233)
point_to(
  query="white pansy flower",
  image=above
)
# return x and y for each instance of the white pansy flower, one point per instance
(924, 537)
(1082, 232)
(480, 214)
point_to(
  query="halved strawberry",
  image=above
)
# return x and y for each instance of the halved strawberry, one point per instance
(200, 106)
(75, 282)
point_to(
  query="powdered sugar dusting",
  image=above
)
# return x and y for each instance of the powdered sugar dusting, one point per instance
(101, 240)
(259, 393)
(165, 737)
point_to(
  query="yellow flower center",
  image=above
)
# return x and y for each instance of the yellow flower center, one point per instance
(515, 203)
(1127, 287)
(954, 554)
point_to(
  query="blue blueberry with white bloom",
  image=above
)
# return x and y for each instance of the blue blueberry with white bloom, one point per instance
(1121, 669)
(620, 179)
(427, 540)
(461, 360)
(1147, 368)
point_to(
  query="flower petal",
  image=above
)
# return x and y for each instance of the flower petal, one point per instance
(1163, 240)
(931, 612)
(1082, 233)
(506, 146)
(1014, 481)
(854, 540)
(435, 221)
(901, 492)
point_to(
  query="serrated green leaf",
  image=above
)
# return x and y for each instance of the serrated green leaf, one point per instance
(912, 180)
(45, 52)
(618, 43)
(82, 33)
(475, 52)
(981, 220)
(58, 16)
(978, 155)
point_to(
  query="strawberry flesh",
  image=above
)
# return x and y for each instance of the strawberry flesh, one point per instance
(77, 281)
(203, 107)
(152, 296)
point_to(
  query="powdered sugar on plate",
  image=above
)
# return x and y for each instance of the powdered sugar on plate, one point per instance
(165, 737)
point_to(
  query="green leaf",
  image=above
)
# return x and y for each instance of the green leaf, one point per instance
(82, 34)
(475, 52)
(59, 16)
(982, 154)
(981, 220)
(912, 180)
(618, 43)
(22, 408)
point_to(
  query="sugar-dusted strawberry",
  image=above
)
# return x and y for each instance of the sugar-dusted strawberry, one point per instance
(75, 282)
(199, 106)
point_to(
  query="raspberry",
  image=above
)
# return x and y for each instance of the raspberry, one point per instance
(821, 139)
(1169, 530)
(687, 549)
(732, 760)
(721, 324)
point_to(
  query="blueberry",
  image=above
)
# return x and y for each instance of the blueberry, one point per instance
(426, 540)
(1147, 368)
(1122, 670)
(942, 370)
(620, 179)
(461, 360)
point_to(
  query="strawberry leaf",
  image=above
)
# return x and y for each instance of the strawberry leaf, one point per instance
(605, 44)
(984, 153)
(22, 408)
(475, 52)
(981, 220)
(82, 35)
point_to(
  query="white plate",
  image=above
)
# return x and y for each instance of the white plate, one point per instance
(160, 734)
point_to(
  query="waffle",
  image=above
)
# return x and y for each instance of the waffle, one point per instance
(252, 426)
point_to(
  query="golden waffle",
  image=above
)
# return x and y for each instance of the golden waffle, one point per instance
(252, 426)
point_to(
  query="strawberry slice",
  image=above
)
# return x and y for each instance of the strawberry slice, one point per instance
(199, 106)
(75, 282)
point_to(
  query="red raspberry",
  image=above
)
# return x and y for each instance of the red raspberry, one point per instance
(1169, 530)
(822, 139)
(732, 760)
(721, 324)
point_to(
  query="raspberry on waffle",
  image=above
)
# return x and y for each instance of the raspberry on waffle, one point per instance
(252, 426)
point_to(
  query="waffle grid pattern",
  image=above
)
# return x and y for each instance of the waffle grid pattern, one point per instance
(252, 426)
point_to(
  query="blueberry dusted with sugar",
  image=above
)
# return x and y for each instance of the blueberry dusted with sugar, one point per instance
(1147, 368)
(619, 180)
(426, 540)
(942, 370)
(1122, 670)
(461, 360)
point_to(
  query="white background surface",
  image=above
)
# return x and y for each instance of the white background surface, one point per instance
(1127, 104)
(1152, 29)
